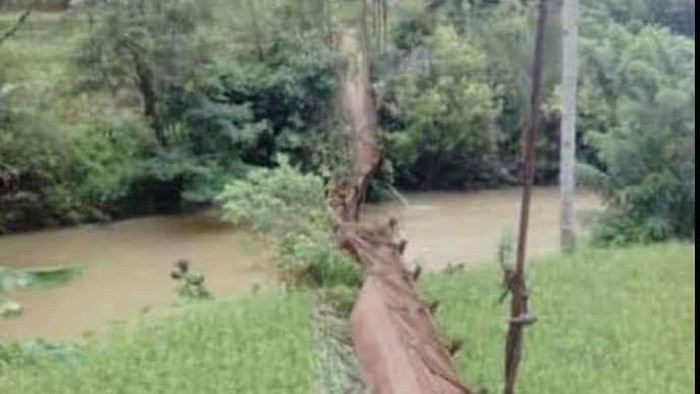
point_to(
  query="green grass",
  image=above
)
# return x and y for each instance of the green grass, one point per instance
(42, 49)
(259, 344)
(38, 62)
(610, 321)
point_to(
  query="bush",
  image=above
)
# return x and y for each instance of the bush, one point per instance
(291, 207)
(151, 49)
(60, 175)
(289, 91)
(645, 143)
(446, 132)
(105, 157)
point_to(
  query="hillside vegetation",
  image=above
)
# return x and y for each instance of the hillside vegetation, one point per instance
(114, 109)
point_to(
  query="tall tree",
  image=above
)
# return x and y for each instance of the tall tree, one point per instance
(569, 73)
(153, 48)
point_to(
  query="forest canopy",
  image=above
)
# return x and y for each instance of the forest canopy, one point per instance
(134, 107)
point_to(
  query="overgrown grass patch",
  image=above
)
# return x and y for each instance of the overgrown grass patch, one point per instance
(260, 344)
(610, 321)
(39, 55)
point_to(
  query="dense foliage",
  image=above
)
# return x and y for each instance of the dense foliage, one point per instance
(678, 15)
(642, 131)
(122, 108)
(290, 206)
(175, 111)
(636, 117)
(444, 117)
(50, 175)
(476, 58)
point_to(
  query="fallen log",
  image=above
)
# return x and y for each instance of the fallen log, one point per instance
(391, 328)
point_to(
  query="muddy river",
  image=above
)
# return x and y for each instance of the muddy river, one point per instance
(127, 264)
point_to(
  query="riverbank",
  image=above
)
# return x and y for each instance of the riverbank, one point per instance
(610, 321)
(126, 270)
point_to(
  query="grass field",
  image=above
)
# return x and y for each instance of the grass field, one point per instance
(39, 63)
(610, 321)
(260, 344)
(39, 56)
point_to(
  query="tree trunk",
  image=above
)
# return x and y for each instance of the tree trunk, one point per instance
(569, 20)
(144, 79)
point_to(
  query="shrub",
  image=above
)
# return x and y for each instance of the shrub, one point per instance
(61, 175)
(291, 207)
(446, 134)
(645, 142)
(289, 91)
(190, 285)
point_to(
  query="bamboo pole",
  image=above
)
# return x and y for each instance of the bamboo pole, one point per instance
(515, 280)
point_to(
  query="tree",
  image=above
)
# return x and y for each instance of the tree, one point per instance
(152, 48)
(637, 100)
(448, 111)
(159, 52)
(569, 21)
(678, 15)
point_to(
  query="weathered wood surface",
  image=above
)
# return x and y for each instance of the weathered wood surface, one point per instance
(391, 328)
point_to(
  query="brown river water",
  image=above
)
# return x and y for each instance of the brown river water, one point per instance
(127, 264)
